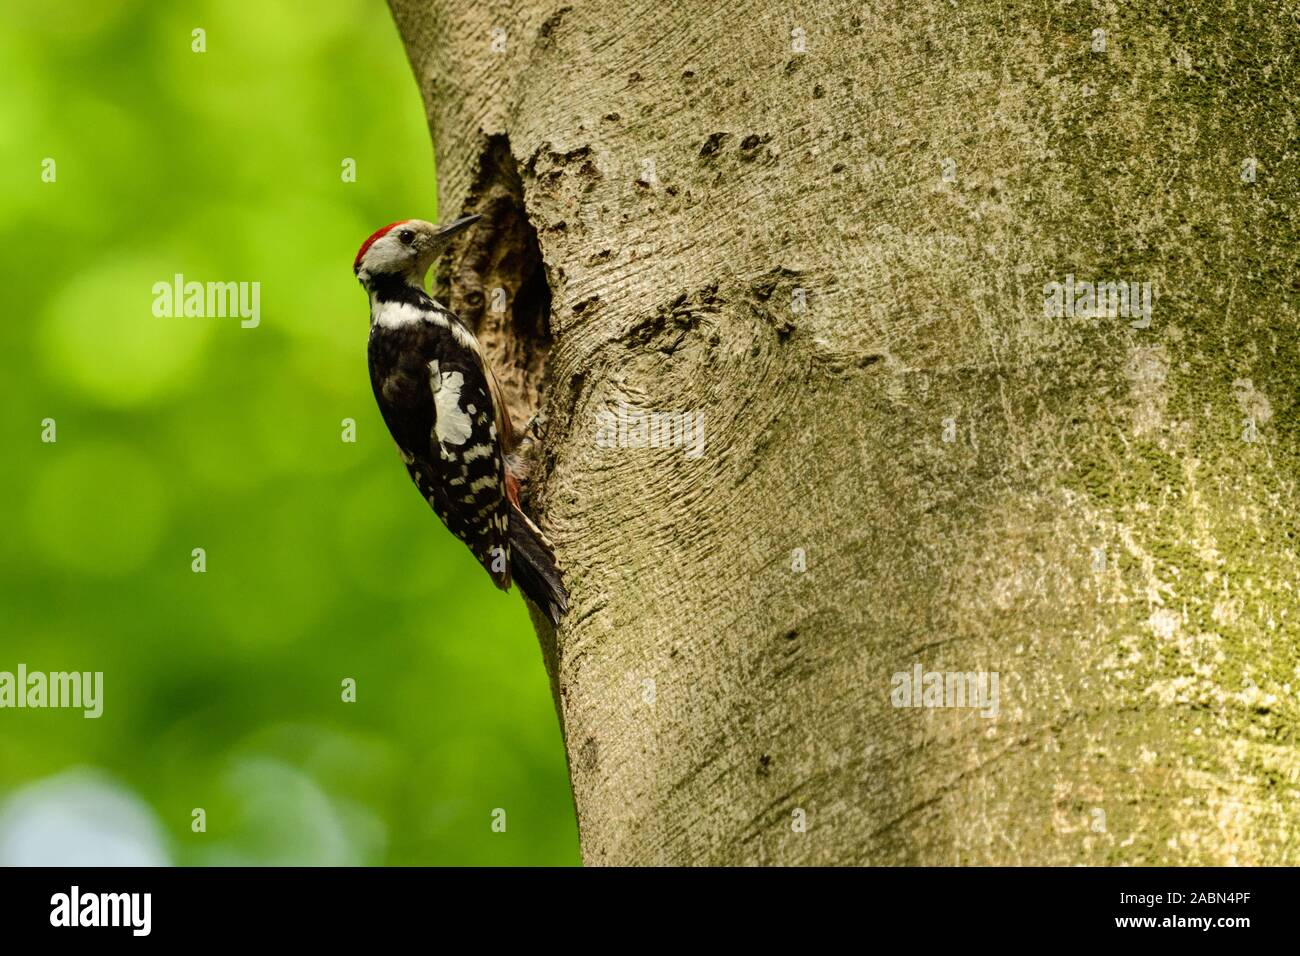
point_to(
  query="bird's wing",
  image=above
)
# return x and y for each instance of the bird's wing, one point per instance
(464, 470)
(505, 430)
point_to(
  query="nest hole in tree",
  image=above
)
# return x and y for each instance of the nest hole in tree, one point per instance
(495, 281)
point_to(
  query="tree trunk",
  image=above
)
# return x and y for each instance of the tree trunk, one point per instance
(830, 231)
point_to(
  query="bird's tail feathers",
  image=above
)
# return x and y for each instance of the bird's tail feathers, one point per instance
(532, 563)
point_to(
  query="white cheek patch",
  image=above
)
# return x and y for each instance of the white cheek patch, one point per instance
(451, 425)
(388, 254)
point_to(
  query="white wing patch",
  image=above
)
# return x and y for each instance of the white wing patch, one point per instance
(451, 425)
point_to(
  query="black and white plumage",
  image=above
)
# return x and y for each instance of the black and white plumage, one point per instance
(441, 402)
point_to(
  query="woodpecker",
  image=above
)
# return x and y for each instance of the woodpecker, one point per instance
(442, 404)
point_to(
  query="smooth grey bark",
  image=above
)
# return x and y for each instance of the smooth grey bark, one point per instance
(828, 228)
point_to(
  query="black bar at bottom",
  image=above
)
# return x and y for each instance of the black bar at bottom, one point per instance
(945, 906)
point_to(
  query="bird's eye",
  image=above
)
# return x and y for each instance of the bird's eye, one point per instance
(407, 236)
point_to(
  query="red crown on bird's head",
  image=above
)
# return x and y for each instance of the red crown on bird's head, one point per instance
(374, 236)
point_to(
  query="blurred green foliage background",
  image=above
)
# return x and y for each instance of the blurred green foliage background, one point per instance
(223, 689)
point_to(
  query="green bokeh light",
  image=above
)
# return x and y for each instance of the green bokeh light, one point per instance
(99, 335)
(96, 509)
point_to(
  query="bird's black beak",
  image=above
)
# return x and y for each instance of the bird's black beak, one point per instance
(454, 227)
